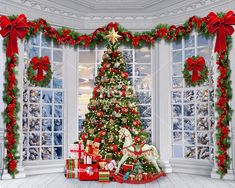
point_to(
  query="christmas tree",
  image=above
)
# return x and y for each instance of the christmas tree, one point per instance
(113, 106)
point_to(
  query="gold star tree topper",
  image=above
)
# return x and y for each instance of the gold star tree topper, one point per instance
(113, 36)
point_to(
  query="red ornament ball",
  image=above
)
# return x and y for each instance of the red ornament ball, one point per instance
(114, 147)
(84, 136)
(97, 139)
(124, 110)
(136, 122)
(100, 114)
(124, 75)
(102, 133)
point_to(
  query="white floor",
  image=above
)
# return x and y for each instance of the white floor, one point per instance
(174, 180)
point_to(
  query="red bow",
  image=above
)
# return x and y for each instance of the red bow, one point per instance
(40, 65)
(195, 66)
(13, 29)
(112, 25)
(223, 28)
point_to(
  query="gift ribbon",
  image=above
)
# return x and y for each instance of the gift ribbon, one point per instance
(89, 170)
(71, 173)
(40, 65)
(79, 150)
(195, 66)
(222, 26)
(18, 27)
(113, 163)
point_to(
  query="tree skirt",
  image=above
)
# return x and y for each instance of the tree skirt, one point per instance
(119, 178)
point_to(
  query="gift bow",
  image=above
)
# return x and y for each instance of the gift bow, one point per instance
(223, 27)
(195, 66)
(40, 65)
(89, 170)
(13, 29)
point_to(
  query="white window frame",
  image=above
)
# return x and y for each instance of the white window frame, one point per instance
(185, 165)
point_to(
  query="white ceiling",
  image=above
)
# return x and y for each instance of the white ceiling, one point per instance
(83, 8)
(117, 7)
(136, 14)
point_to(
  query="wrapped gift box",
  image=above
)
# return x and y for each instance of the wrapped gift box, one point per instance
(125, 167)
(111, 165)
(95, 149)
(71, 174)
(71, 168)
(89, 146)
(88, 172)
(104, 175)
(76, 151)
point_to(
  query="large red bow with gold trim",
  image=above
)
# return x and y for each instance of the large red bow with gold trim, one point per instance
(195, 66)
(223, 27)
(18, 27)
(40, 65)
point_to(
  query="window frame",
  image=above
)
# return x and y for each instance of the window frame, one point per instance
(52, 49)
(210, 86)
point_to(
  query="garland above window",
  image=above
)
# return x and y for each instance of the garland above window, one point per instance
(14, 27)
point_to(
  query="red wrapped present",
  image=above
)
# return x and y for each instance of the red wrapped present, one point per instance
(88, 172)
(126, 167)
(89, 146)
(104, 175)
(71, 174)
(92, 149)
(77, 150)
(95, 149)
(96, 158)
(71, 170)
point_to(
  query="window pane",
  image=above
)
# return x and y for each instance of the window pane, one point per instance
(190, 41)
(43, 107)
(177, 82)
(47, 96)
(176, 97)
(193, 108)
(177, 56)
(177, 69)
(177, 45)
(142, 70)
(34, 51)
(34, 96)
(87, 57)
(46, 52)
(189, 53)
(35, 40)
(143, 55)
(143, 97)
(190, 152)
(128, 56)
(177, 124)
(58, 56)
(202, 41)
(177, 151)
